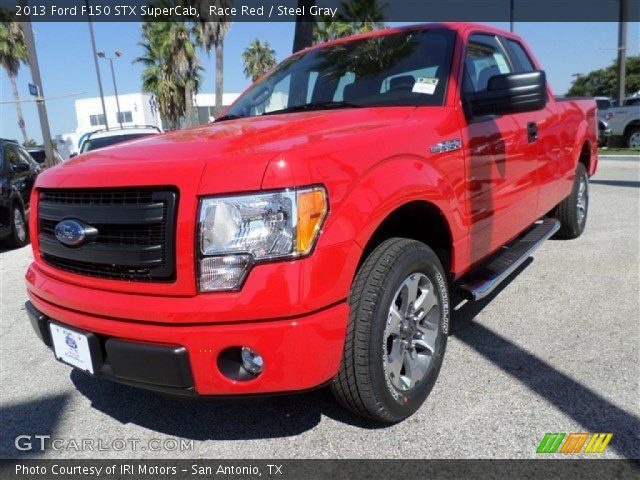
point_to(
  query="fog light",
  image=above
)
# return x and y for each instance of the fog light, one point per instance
(251, 361)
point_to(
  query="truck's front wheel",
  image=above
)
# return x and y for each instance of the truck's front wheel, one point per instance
(397, 332)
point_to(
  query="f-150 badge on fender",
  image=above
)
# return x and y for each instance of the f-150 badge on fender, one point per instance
(446, 146)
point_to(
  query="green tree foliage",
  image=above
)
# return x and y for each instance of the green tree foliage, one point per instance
(210, 33)
(604, 82)
(172, 71)
(365, 15)
(355, 16)
(13, 52)
(326, 30)
(258, 58)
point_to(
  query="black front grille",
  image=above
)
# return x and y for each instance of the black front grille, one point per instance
(135, 239)
(118, 234)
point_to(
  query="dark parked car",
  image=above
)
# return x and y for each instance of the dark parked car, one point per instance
(18, 172)
(38, 154)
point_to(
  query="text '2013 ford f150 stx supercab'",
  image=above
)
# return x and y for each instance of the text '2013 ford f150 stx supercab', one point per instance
(313, 233)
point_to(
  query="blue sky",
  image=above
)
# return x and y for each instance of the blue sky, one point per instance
(66, 63)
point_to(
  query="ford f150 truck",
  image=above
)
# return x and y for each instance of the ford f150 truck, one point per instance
(313, 233)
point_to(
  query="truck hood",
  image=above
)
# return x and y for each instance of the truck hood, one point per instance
(234, 154)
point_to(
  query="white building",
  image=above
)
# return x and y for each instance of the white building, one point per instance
(135, 109)
(205, 103)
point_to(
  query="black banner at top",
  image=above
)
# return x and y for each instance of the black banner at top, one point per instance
(327, 10)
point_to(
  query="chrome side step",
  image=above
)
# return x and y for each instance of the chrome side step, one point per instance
(482, 282)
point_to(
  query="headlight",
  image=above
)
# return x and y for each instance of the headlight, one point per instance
(236, 232)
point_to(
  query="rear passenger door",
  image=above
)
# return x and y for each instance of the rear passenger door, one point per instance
(550, 161)
(501, 164)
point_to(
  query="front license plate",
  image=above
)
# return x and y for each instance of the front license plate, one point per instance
(72, 347)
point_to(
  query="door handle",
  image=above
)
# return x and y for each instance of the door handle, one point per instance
(532, 131)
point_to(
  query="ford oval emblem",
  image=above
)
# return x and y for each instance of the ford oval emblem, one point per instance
(70, 232)
(71, 342)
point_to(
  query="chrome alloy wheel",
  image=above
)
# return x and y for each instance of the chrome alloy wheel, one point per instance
(582, 202)
(18, 223)
(634, 140)
(411, 331)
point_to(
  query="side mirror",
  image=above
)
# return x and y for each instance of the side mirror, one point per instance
(73, 155)
(510, 93)
(20, 168)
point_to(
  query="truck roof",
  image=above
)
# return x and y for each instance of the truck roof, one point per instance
(457, 26)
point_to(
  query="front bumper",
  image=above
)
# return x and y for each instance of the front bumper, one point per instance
(299, 353)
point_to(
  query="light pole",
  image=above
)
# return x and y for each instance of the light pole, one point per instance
(95, 61)
(32, 57)
(622, 52)
(511, 15)
(118, 54)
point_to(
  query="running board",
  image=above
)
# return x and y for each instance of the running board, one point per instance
(482, 282)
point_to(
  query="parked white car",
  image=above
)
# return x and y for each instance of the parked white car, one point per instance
(604, 105)
(106, 138)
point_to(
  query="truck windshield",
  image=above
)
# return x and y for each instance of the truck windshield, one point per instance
(404, 68)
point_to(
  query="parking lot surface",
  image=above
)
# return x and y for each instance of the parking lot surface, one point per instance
(555, 349)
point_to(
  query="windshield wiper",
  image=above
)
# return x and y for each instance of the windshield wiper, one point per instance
(229, 116)
(315, 106)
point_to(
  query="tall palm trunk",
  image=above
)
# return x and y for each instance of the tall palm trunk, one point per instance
(188, 101)
(303, 35)
(219, 76)
(16, 99)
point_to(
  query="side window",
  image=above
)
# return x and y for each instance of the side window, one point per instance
(520, 57)
(96, 120)
(485, 58)
(27, 158)
(13, 158)
(124, 117)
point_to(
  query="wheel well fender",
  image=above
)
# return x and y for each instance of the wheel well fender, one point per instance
(417, 220)
(401, 196)
(630, 126)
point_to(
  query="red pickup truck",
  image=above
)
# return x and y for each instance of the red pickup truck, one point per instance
(312, 234)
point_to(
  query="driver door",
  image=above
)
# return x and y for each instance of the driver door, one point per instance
(500, 176)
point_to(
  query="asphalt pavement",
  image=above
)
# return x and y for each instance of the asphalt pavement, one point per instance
(555, 349)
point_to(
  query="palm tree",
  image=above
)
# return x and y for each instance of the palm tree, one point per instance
(258, 58)
(326, 30)
(184, 65)
(356, 16)
(366, 15)
(211, 31)
(303, 36)
(172, 72)
(13, 52)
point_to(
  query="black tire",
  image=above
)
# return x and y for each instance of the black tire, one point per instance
(631, 140)
(568, 212)
(362, 385)
(16, 239)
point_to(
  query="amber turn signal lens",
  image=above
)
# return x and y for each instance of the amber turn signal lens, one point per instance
(312, 209)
